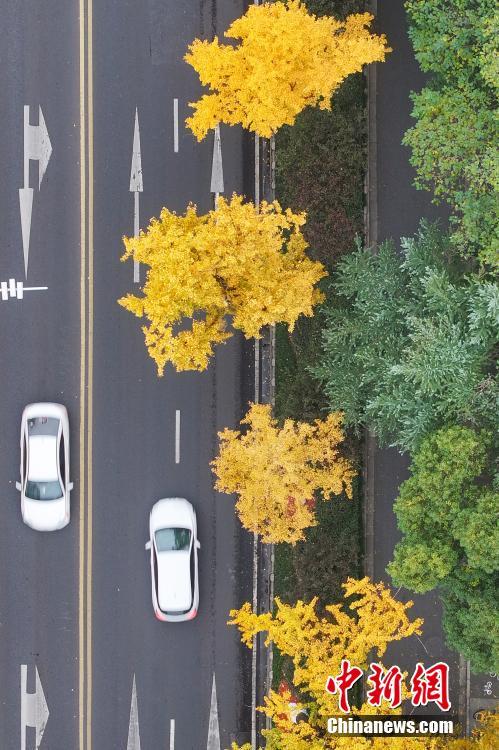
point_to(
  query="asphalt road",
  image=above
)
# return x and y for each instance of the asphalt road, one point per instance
(76, 603)
(400, 209)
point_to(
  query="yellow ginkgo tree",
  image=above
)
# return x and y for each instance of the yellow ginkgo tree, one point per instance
(285, 59)
(275, 471)
(358, 629)
(316, 644)
(236, 264)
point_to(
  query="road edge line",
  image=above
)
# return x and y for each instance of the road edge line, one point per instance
(90, 362)
(83, 367)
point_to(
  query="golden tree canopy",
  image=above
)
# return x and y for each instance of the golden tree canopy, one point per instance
(234, 261)
(286, 59)
(316, 645)
(275, 471)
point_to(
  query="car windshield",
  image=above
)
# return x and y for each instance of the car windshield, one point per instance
(169, 540)
(43, 490)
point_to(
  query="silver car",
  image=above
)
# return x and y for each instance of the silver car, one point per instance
(45, 487)
(174, 545)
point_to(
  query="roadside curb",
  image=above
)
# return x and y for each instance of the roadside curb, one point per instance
(264, 393)
(371, 237)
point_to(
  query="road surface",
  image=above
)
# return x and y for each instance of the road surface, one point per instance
(76, 604)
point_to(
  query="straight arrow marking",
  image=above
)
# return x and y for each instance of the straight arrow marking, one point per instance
(26, 208)
(136, 186)
(133, 726)
(34, 709)
(217, 172)
(213, 726)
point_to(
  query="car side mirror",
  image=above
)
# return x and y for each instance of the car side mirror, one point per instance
(70, 486)
(18, 486)
(198, 544)
(148, 544)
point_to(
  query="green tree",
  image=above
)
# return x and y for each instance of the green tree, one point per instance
(448, 511)
(409, 342)
(454, 139)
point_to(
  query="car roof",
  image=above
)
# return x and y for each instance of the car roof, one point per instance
(174, 587)
(42, 458)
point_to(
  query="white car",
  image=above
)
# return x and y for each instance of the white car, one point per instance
(45, 487)
(174, 545)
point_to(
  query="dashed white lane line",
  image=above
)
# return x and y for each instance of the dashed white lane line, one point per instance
(172, 734)
(133, 727)
(213, 726)
(175, 126)
(177, 436)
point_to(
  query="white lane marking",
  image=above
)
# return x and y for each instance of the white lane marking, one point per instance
(136, 187)
(172, 734)
(26, 207)
(37, 147)
(16, 289)
(217, 172)
(34, 709)
(133, 726)
(213, 726)
(175, 126)
(177, 436)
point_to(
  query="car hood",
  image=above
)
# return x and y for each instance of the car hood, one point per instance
(174, 581)
(45, 515)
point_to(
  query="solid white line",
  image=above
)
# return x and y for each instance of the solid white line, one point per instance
(177, 436)
(175, 125)
(172, 734)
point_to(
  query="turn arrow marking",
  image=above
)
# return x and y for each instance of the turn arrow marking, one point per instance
(136, 187)
(37, 146)
(133, 726)
(34, 709)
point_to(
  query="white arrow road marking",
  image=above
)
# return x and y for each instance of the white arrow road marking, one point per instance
(34, 709)
(26, 207)
(136, 187)
(37, 147)
(133, 727)
(177, 436)
(172, 734)
(217, 173)
(213, 727)
(175, 126)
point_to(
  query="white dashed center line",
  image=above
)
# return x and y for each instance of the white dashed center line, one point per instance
(177, 436)
(175, 125)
